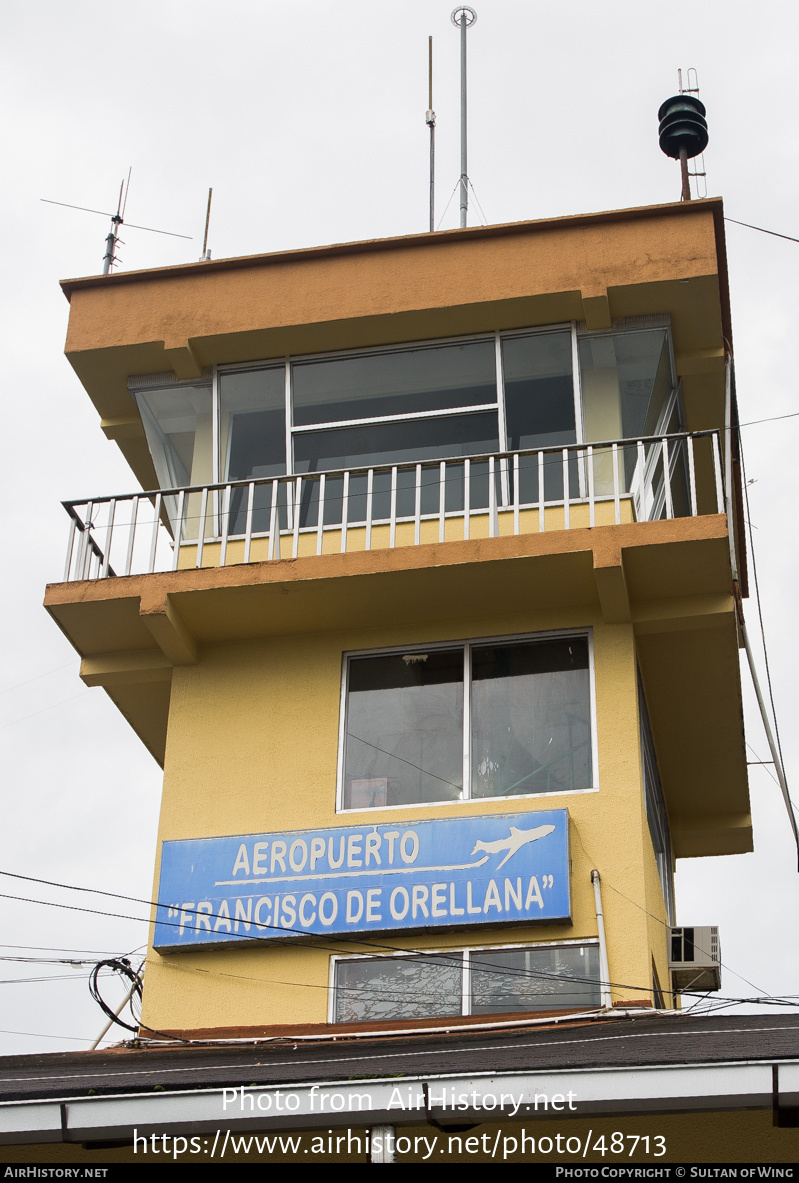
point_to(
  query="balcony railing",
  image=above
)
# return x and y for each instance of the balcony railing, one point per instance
(388, 506)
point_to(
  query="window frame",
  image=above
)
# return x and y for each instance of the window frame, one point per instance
(467, 643)
(497, 336)
(141, 383)
(577, 330)
(496, 411)
(463, 951)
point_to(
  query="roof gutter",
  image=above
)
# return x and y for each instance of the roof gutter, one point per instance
(472, 1097)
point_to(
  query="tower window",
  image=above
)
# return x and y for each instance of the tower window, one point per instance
(484, 719)
(558, 976)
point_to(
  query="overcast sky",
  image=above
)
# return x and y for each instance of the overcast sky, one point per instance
(307, 118)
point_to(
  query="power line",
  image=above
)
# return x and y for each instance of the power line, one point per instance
(45, 978)
(40, 1035)
(652, 916)
(353, 939)
(52, 949)
(762, 229)
(759, 607)
(344, 939)
(350, 939)
(53, 705)
(769, 419)
(46, 674)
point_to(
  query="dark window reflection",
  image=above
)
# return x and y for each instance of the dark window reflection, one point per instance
(554, 978)
(539, 402)
(404, 741)
(531, 718)
(404, 382)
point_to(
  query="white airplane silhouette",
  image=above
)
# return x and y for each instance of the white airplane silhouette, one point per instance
(517, 839)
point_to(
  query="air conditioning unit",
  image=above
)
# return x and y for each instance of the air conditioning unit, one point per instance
(695, 959)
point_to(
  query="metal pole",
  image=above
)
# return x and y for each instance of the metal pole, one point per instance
(686, 183)
(430, 119)
(464, 173)
(462, 17)
(110, 1022)
(205, 254)
(109, 258)
(604, 969)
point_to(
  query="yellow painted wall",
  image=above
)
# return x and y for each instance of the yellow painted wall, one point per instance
(253, 746)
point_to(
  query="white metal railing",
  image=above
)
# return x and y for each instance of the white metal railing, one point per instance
(269, 518)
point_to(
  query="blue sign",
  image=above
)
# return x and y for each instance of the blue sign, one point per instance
(499, 869)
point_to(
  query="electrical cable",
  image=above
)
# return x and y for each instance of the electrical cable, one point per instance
(758, 603)
(765, 764)
(345, 939)
(446, 207)
(769, 419)
(762, 230)
(652, 916)
(529, 974)
(94, 953)
(46, 674)
(783, 1000)
(52, 706)
(763, 999)
(477, 199)
(46, 978)
(40, 1035)
(123, 967)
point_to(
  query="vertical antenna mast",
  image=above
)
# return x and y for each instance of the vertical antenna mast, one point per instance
(112, 241)
(117, 219)
(206, 253)
(682, 130)
(430, 119)
(462, 18)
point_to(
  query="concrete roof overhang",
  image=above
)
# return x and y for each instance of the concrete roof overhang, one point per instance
(670, 580)
(596, 268)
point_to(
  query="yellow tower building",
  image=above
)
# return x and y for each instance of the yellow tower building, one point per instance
(438, 548)
(429, 611)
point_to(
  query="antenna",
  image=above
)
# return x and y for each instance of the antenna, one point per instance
(430, 120)
(118, 219)
(700, 175)
(683, 129)
(463, 17)
(206, 253)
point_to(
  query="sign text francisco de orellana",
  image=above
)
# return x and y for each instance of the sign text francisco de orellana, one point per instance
(353, 879)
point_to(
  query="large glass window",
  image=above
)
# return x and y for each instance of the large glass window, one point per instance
(252, 439)
(537, 392)
(561, 976)
(178, 423)
(626, 390)
(479, 720)
(401, 382)
(400, 407)
(539, 408)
